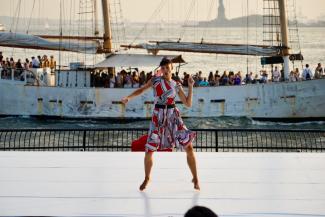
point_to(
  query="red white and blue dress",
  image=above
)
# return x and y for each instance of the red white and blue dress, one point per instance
(167, 130)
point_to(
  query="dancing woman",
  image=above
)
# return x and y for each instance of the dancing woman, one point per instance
(167, 129)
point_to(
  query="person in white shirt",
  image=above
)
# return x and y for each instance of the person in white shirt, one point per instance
(35, 63)
(276, 74)
(307, 74)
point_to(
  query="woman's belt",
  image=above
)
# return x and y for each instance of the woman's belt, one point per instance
(165, 106)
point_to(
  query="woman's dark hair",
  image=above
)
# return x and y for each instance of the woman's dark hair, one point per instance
(165, 61)
(200, 211)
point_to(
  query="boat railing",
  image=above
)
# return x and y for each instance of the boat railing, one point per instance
(13, 74)
(25, 76)
(207, 140)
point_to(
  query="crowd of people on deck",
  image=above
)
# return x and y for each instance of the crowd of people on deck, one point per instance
(135, 79)
(34, 62)
(19, 66)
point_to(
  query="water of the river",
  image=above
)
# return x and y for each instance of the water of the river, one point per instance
(194, 123)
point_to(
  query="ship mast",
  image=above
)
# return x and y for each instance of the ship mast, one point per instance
(284, 36)
(96, 32)
(107, 27)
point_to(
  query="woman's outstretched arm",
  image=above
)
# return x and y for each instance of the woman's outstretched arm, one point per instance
(138, 92)
(187, 100)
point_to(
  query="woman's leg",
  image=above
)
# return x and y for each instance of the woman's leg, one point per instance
(148, 162)
(191, 161)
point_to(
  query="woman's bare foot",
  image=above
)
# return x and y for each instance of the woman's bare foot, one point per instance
(196, 184)
(144, 184)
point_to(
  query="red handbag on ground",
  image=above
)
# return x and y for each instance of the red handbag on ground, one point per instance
(138, 145)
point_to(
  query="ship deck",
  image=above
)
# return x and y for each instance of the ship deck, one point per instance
(106, 184)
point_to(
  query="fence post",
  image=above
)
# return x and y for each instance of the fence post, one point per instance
(216, 140)
(84, 140)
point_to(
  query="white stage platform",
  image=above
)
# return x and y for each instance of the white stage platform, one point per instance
(106, 184)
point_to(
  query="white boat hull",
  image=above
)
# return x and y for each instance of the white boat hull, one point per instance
(296, 100)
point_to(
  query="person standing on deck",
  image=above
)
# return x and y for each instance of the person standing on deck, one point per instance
(167, 129)
(52, 63)
(45, 62)
(319, 71)
(35, 63)
(40, 61)
(276, 75)
(307, 73)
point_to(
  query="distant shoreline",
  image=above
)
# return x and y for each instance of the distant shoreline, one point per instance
(240, 22)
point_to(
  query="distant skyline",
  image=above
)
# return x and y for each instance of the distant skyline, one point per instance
(175, 10)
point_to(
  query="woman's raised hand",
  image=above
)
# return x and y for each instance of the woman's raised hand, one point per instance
(190, 81)
(125, 100)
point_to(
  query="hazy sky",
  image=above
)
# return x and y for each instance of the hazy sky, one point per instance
(142, 10)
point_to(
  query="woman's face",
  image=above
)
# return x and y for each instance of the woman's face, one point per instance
(167, 70)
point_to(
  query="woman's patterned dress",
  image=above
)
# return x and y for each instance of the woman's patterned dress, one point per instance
(167, 129)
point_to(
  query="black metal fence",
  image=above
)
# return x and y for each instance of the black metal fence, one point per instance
(215, 140)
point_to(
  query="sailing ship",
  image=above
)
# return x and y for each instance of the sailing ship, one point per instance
(67, 93)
